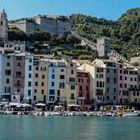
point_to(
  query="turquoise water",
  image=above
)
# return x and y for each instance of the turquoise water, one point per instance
(68, 128)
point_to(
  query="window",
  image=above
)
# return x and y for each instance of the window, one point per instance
(18, 83)
(80, 88)
(125, 85)
(36, 83)
(114, 70)
(114, 97)
(18, 90)
(125, 78)
(42, 91)
(7, 81)
(52, 64)
(79, 80)
(131, 79)
(36, 75)
(134, 93)
(62, 77)
(43, 68)
(8, 64)
(61, 85)
(30, 60)
(99, 70)
(58, 99)
(52, 91)
(135, 79)
(107, 89)
(120, 85)
(36, 68)
(34, 98)
(53, 76)
(71, 79)
(8, 57)
(58, 92)
(120, 71)
(43, 76)
(7, 89)
(108, 80)
(120, 77)
(18, 58)
(86, 88)
(107, 70)
(107, 97)
(71, 65)
(100, 84)
(72, 96)
(72, 71)
(135, 100)
(52, 84)
(137, 93)
(1, 23)
(35, 90)
(7, 72)
(29, 84)
(120, 66)
(72, 87)
(115, 90)
(30, 67)
(30, 75)
(114, 80)
(29, 92)
(42, 84)
(53, 70)
(19, 64)
(62, 70)
(18, 74)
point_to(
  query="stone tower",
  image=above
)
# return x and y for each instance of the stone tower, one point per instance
(3, 26)
(103, 46)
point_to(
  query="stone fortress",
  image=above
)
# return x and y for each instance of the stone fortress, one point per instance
(56, 25)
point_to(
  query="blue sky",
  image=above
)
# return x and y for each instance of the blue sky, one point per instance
(110, 9)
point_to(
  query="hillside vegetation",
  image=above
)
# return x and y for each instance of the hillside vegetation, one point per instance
(124, 32)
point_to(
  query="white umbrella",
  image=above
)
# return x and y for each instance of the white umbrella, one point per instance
(25, 105)
(40, 104)
(14, 104)
(18, 106)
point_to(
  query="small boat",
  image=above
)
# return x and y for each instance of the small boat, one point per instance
(130, 114)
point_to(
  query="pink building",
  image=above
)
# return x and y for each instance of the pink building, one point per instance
(83, 81)
(19, 74)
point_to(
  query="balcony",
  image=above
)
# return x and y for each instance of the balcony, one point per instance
(18, 76)
(81, 98)
(18, 85)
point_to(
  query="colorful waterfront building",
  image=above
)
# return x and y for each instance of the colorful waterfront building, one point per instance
(6, 73)
(28, 80)
(35, 79)
(71, 85)
(83, 90)
(57, 82)
(19, 75)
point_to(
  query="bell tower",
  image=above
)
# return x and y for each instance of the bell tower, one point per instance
(3, 26)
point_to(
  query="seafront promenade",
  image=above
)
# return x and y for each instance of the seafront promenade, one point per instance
(72, 113)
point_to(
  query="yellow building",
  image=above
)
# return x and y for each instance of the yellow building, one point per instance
(40, 84)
